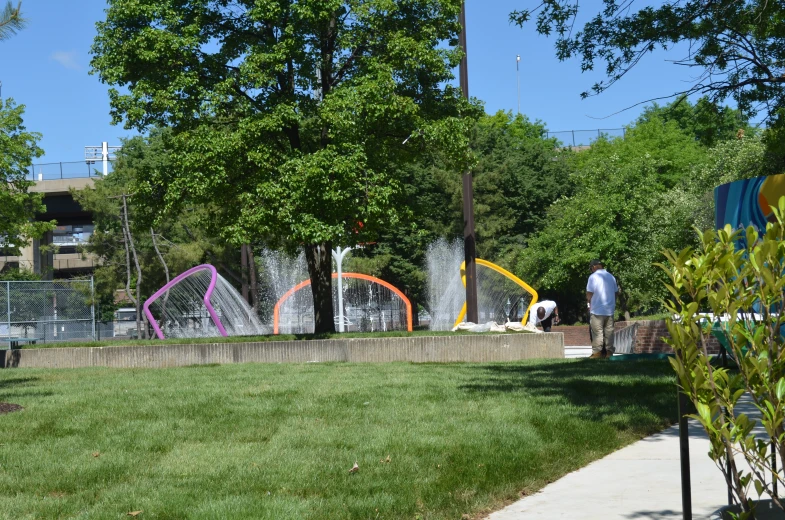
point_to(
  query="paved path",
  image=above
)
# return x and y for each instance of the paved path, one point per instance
(641, 481)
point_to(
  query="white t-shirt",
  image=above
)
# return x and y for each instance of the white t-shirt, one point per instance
(604, 288)
(549, 307)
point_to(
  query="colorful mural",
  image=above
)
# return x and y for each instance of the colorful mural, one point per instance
(748, 201)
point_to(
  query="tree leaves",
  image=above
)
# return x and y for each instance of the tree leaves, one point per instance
(18, 147)
(738, 277)
(736, 46)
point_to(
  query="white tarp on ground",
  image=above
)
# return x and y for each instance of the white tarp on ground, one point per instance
(491, 326)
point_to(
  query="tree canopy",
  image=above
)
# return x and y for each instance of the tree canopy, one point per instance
(708, 122)
(628, 205)
(18, 147)
(179, 243)
(517, 175)
(287, 116)
(735, 49)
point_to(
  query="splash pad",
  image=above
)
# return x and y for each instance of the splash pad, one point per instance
(501, 296)
(201, 303)
(370, 305)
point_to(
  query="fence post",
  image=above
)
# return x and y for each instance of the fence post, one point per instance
(8, 304)
(92, 305)
(61, 170)
(573, 138)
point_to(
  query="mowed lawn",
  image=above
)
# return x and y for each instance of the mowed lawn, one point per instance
(258, 441)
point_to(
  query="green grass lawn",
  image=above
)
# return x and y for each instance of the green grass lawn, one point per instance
(258, 441)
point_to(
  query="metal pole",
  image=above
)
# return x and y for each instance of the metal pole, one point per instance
(774, 468)
(92, 306)
(8, 304)
(727, 455)
(684, 455)
(469, 242)
(518, 74)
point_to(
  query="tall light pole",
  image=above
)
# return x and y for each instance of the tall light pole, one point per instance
(469, 242)
(104, 153)
(518, 74)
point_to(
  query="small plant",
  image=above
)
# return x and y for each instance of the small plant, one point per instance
(739, 277)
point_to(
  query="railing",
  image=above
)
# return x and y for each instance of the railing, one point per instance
(584, 137)
(624, 339)
(66, 170)
(87, 169)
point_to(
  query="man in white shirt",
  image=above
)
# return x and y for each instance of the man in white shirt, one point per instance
(545, 314)
(601, 293)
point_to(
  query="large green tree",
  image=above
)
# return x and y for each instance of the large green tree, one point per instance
(708, 122)
(517, 175)
(18, 147)
(288, 117)
(173, 245)
(735, 49)
(628, 205)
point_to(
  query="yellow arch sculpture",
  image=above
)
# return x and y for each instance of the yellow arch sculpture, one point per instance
(504, 273)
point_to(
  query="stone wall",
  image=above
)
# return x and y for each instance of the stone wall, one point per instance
(479, 348)
(574, 335)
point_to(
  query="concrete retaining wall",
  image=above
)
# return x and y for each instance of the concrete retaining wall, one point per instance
(417, 349)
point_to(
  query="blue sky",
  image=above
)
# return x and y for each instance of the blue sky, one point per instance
(45, 67)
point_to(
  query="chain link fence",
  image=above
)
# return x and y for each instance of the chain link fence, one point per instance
(47, 311)
(66, 170)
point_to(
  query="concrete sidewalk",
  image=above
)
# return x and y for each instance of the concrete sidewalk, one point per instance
(641, 481)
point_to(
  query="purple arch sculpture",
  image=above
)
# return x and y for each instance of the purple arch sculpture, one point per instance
(206, 299)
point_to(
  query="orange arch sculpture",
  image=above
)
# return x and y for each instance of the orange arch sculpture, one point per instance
(290, 292)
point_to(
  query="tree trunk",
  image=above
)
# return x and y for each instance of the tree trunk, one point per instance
(415, 312)
(253, 280)
(166, 268)
(624, 308)
(320, 270)
(244, 271)
(140, 332)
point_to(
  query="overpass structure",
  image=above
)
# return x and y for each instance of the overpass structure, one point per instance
(74, 227)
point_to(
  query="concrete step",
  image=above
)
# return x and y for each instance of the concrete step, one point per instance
(580, 351)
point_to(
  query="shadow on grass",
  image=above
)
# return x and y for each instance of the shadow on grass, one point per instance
(15, 387)
(12, 382)
(631, 395)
